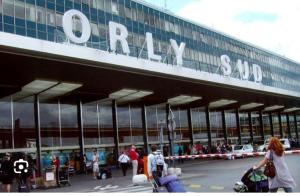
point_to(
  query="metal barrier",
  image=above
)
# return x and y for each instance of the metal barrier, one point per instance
(229, 155)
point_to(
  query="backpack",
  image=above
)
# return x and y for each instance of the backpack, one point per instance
(158, 161)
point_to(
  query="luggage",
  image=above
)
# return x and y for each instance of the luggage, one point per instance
(23, 188)
(104, 174)
(175, 187)
(165, 180)
(139, 179)
(178, 171)
(171, 170)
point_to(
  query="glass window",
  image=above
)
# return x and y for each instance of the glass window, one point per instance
(128, 12)
(8, 7)
(199, 124)
(114, 8)
(140, 16)
(90, 117)
(134, 14)
(152, 126)
(95, 30)
(122, 10)
(69, 125)
(41, 15)
(50, 18)
(24, 126)
(100, 4)
(5, 124)
(59, 20)
(20, 9)
(108, 6)
(125, 134)
(86, 2)
(136, 125)
(1, 6)
(30, 12)
(50, 127)
(106, 123)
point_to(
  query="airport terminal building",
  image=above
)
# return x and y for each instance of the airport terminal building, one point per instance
(78, 75)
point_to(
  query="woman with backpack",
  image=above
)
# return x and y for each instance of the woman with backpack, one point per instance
(283, 178)
(155, 164)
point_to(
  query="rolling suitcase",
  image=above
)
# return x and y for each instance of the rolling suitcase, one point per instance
(175, 187)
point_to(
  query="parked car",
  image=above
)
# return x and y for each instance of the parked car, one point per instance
(285, 142)
(239, 150)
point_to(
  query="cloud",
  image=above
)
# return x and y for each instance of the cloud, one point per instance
(270, 24)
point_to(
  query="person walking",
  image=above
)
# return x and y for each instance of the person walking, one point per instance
(180, 160)
(56, 165)
(124, 160)
(156, 164)
(95, 164)
(133, 155)
(283, 178)
(7, 169)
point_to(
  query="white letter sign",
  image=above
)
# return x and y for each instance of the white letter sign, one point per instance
(178, 50)
(257, 73)
(150, 49)
(68, 26)
(225, 66)
(243, 69)
(114, 37)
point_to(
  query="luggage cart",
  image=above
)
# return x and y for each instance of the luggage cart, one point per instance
(63, 176)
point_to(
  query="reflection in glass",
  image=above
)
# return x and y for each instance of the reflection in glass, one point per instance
(125, 135)
(49, 119)
(231, 128)
(199, 124)
(106, 123)
(5, 124)
(90, 124)
(245, 128)
(24, 126)
(276, 126)
(153, 128)
(69, 125)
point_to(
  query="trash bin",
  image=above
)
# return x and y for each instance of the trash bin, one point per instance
(50, 177)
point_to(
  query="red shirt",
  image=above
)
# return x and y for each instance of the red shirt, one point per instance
(133, 155)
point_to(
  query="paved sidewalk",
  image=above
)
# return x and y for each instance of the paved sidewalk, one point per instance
(86, 183)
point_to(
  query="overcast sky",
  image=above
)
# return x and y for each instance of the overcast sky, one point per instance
(270, 24)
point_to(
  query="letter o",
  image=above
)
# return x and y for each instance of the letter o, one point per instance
(67, 22)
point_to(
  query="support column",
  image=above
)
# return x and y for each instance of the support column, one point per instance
(288, 126)
(81, 137)
(208, 128)
(116, 130)
(261, 126)
(224, 127)
(271, 124)
(145, 128)
(37, 134)
(296, 130)
(189, 113)
(280, 125)
(250, 126)
(238, 125)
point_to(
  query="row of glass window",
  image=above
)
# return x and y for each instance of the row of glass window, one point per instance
(34, 13)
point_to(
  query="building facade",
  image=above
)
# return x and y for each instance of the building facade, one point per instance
(59, 96)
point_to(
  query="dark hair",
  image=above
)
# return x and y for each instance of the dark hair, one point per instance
(153, 148)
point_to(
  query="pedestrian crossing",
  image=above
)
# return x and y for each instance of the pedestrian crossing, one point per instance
(128, 189)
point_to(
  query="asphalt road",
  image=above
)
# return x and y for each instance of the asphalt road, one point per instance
(220, 175)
